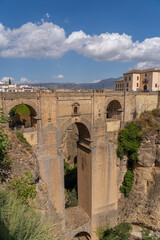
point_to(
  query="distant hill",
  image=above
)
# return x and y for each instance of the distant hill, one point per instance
(108, 83)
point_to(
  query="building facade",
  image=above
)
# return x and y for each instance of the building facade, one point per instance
(139, 80)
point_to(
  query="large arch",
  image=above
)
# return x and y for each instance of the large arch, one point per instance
(83, 166)
(114, 110)
(82, 236)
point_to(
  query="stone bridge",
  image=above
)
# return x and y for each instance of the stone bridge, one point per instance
(97, 114)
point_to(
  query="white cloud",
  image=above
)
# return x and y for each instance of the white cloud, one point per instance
(32, 41)
(96, 81)
(24, 80)
(60, 76)
(6, 79)
(47, 40)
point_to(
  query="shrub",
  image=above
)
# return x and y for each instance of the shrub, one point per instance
(22, 139)
(24, 187)
(149, 122)
(5, 145)
(70, 178)
(127, 183)
(21, 222)
(147, 236)
(71, 198)
(120, 232)
(66, 167)
(129, 142)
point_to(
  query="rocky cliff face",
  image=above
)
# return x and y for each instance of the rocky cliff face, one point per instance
(142, 207)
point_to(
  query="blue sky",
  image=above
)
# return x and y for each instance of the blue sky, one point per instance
(77, 40)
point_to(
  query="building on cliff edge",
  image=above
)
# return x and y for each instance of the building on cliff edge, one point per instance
(139, 80)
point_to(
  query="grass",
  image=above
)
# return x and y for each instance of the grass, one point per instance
(21, 222)
(22, 139)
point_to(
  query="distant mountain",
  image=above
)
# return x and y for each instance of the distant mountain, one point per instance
(108, 83)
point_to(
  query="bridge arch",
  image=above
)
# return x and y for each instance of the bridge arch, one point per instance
(22, 115)
(13, 103)
(82, 236)
(83, 163)
(114, 110)
(71, 121)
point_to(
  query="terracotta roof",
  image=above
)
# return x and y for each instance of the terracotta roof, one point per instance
(143, 71)
(120, 80)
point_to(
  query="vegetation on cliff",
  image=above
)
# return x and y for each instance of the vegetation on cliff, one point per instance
(5, 145)
(22, 139)
(19, 221)
(120, 232)
(129, 142)
(149, 122)
(70, 177)
(24, 187)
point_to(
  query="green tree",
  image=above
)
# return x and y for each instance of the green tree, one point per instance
(10, 81)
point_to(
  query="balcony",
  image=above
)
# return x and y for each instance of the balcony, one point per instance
(145, 81)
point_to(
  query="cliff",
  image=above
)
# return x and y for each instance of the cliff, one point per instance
(142, 207)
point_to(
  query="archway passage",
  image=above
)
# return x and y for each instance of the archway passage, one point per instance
(114, 110)
(82, 236)
(77, 175)
(145, 88)
(22, 115)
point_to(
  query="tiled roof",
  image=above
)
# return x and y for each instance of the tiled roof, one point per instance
(143, 71)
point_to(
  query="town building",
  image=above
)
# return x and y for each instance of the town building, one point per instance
(6, 87)
(139, 80)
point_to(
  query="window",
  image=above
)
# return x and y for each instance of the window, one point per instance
(137, 84)
(75, 110)
(127, 84)
(129, 78)
(137, 89)
(137, 78)
(127, 89)
(125, 78)
(155, 84)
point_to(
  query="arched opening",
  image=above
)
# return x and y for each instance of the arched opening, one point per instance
(82, 236)
(77, 167)
(114, 110)
(145, 88)
(22, 115)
